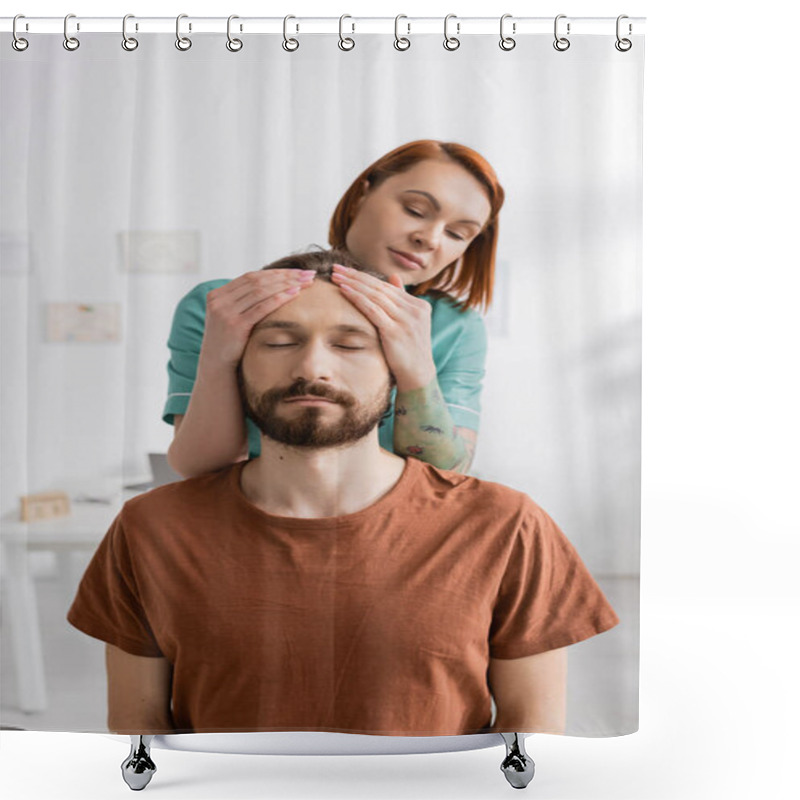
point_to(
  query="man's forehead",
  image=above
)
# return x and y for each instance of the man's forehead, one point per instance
(321, 306)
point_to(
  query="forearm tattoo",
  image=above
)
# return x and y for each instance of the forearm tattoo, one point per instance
(423, 428)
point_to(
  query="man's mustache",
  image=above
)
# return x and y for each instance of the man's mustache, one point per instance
(302, 387)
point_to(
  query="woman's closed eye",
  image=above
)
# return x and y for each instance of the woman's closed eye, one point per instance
(420, 215)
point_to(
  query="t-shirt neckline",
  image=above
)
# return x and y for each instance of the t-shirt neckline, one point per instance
(394, 497)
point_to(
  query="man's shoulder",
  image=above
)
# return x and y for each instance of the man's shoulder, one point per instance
(456, 487)
(180, 495)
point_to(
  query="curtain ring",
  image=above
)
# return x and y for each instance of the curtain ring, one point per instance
(70, 42)
(345, 42)
(401, 42)
(451, 42)
(234, 45)
(623, 45)
(18, 43)
(182, 42)
(128, 42)
(561, 43)
(506, 42)
(289, 45)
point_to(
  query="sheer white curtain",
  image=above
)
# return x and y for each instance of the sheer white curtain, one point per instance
(128, 178)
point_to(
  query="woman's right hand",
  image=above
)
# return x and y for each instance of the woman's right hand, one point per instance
(232, 310)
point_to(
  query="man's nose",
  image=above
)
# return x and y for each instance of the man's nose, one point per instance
(313, 362)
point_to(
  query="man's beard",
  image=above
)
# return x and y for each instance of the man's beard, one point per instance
(307, 428)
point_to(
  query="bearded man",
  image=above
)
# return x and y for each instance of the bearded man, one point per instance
(330, 585)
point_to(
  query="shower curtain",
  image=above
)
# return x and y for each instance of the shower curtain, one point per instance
(131, 176)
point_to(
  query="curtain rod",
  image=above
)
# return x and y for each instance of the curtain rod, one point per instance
(461, 26)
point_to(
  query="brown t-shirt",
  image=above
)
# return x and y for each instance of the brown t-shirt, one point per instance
(378, 622)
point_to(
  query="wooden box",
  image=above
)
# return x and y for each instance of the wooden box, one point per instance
(44, 505)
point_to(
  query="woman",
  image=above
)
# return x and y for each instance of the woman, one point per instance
(425, 215)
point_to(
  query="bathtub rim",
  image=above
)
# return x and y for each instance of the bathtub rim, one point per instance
(286, 743)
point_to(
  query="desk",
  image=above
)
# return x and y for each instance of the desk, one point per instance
(83, 529)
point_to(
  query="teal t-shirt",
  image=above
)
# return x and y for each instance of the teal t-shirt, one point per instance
(459, 352)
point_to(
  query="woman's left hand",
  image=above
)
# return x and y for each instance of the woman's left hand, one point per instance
(403, 322)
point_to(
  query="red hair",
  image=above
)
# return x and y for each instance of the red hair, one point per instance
(470, 279)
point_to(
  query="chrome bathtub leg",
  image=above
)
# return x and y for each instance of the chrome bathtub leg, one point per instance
(138, 768)
(518, 766)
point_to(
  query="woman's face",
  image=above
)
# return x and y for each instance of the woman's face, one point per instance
(416, 223)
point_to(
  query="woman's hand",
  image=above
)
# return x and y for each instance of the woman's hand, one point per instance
(232, 310)
(403, 322)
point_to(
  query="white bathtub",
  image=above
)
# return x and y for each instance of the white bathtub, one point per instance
(320, 743)
(138, 768)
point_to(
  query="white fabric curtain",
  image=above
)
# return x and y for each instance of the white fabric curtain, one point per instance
(128, 178)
